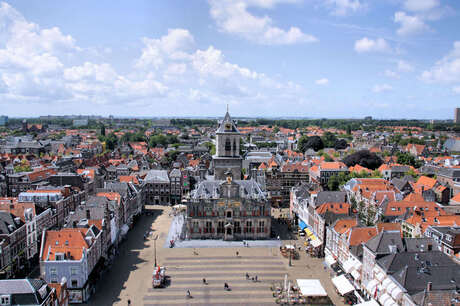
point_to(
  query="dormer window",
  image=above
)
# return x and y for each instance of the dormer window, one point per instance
(5, 300)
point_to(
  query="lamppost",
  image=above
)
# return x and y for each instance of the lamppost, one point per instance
(155, 248)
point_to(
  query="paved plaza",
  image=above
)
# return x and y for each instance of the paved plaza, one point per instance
(131, 274)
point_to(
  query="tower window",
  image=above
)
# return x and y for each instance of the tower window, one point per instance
(228, 145)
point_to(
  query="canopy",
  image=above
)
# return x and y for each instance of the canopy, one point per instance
(308, 232)
(384, 298)
(311, 287)
(348, 265)
(396, 293)
(289, 247)
(302, 225)
(387, 283)
(316, 243)
(342, 284)
(180, 206)
(370, 287)
(356, 275)
(380, 276)
(330, 260)
(368, 303)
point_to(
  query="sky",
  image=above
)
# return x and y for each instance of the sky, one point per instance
(264, 58)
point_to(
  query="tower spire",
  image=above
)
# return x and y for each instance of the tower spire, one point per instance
(227, 107)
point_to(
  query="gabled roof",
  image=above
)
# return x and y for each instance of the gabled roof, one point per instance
(381, 243)
(227, 125)
(358, 235)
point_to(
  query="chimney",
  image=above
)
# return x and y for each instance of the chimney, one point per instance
(428, 286)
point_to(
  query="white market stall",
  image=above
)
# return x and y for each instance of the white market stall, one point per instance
(311, 287)
(369, 303)
(342, 284)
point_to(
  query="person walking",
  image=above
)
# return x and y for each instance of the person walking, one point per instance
(247, 276)
(256, 278)
(204, 281)
(225, 286)
(129, 302)
(237, 253)
(189, 295)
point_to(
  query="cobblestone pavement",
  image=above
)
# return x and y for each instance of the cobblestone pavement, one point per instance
(131, 274)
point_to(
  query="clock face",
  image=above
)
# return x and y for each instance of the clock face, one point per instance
(228, 126)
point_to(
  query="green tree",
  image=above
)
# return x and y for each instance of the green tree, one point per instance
(103, 130)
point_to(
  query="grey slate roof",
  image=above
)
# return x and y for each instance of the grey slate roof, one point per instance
(157, 176)
(24, 291)
(227, 120)
(449, 172)
(381, 243)
(420, 244)
(7, 219)
(331, 197)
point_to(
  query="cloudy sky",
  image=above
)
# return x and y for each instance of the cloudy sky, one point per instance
(312, 58)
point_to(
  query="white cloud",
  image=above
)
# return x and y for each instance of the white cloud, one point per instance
(420, 5)
(369, 45)
(410, 25)
(322, 81)
(456, 89)
(404, 66)
(171, 70)
(174, 45)
(382, 88)
(232, 16)
(446, 70)
(344, 7)
(391, 74)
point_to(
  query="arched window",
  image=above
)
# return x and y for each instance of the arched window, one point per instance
(228, 145)
(234, 146)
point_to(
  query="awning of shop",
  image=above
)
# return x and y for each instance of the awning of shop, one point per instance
(369, 303)
(342, 284)
(386, 283)
(348, 265)
(311, 287)
(302, 225)
(329, 260)
(356, 275)
(396, 293)
(380, 276)
(384, 298)
(316, 243)
(308, 232)
(370, 287)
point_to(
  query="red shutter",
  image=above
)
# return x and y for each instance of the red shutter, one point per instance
(199, 214)
(199, 230)
(266, 230)
(213, 213)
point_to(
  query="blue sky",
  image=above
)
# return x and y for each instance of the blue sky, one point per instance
(312, 58)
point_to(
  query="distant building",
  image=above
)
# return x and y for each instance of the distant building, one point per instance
(157, 187)
(457, 115)
(80, 122)
(3, 120)
(368, 118)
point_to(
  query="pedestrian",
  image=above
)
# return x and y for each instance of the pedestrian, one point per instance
(247, 276)
(189, 295)
(256, 278)
(237, 253)
(225, 286)
(204, 281)
(129, 302)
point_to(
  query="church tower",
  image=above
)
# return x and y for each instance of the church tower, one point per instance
(227, 150)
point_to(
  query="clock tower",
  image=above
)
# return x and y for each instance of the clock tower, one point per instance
(227, 157)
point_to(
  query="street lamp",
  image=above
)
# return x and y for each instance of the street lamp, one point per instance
(155, 248)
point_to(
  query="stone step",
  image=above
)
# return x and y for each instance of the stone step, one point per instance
(260, 302)
(220, 258)
(219, 296)
(247, 268)
(221, 263)
(213, 287)
(230, 280)
(207, 274)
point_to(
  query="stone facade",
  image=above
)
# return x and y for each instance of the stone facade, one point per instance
(230, 210)
(227, 155)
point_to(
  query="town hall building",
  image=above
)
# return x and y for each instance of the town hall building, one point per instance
(227, 207)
